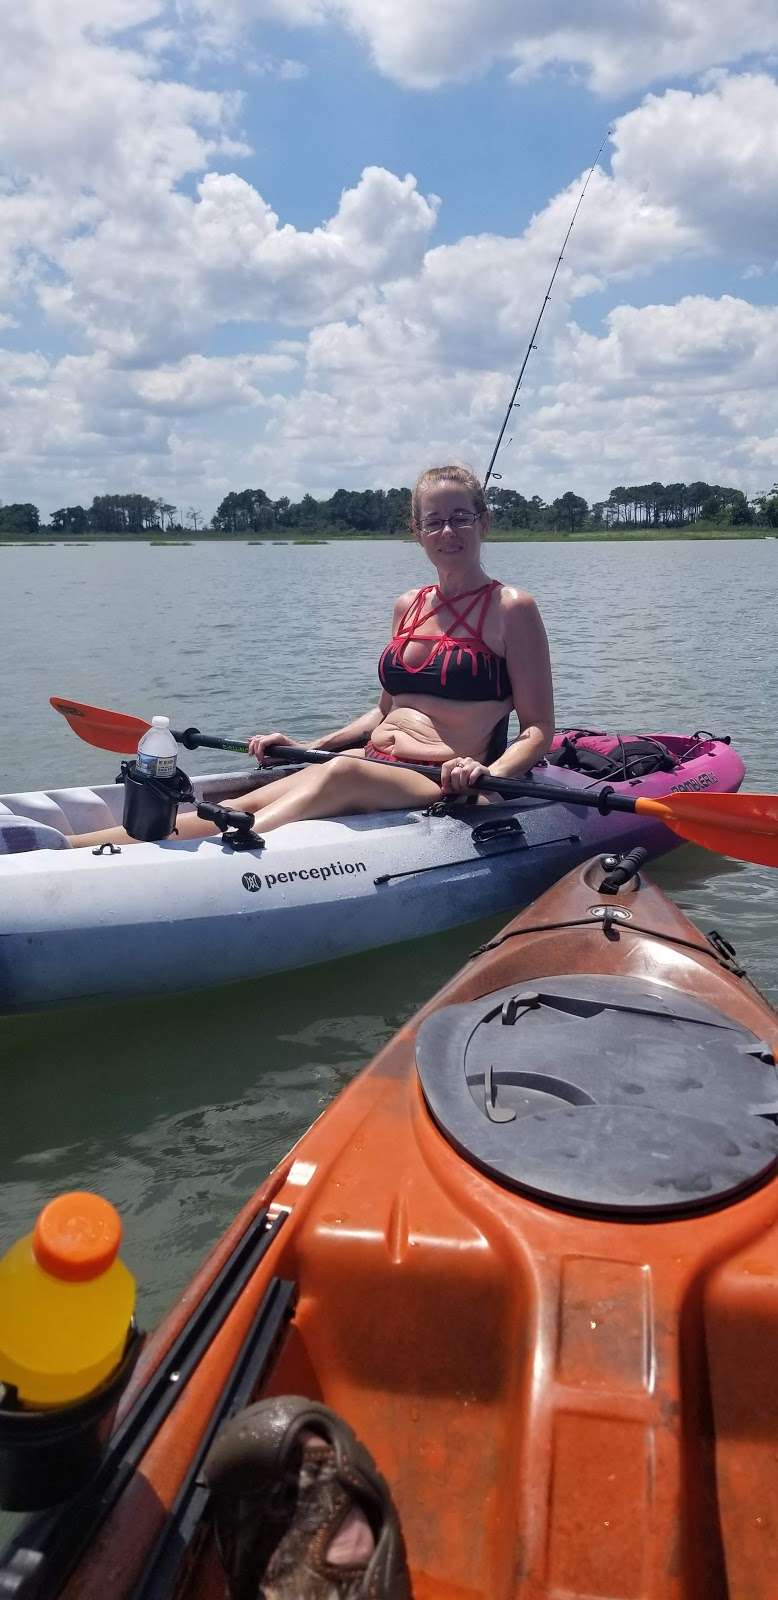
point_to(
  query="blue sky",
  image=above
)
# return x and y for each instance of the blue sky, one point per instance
(299, 244)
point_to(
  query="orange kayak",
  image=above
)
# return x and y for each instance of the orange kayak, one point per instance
(531, 1255)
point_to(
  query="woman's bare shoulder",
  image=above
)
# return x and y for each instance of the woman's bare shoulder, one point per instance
(405, 599)
(515, 605)
(511, 598)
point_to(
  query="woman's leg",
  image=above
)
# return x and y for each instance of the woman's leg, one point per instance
(190, 826)
(340, 786)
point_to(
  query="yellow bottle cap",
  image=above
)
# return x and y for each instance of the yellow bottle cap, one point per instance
(77, 1236)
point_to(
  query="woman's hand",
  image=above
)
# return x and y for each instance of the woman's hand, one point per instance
(260, 744)
(460, 774)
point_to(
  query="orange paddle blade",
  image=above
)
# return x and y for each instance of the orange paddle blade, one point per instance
(108, 730)
(741, 825)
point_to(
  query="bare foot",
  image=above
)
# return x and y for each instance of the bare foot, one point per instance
(301, 1511)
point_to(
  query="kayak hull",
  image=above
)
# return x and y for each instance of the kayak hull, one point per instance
(565, 1404)
(178, 915)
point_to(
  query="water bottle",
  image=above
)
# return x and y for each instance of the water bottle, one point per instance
(66, 1303)
(157, 751)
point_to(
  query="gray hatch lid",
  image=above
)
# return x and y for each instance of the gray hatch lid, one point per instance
(606, 1094)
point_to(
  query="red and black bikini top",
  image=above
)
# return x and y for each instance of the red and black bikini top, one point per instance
(458, 664)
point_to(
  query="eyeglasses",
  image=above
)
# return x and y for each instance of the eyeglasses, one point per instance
(457, 519)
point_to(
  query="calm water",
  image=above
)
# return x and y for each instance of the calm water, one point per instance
(177, 1108)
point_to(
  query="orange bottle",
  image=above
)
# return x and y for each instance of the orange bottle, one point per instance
(66, 1302)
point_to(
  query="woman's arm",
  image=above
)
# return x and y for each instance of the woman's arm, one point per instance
(529, 669)
(356, 732)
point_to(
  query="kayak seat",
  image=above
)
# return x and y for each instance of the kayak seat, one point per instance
(21, 834)
(84, 810)
(604, 1094)
(67, 810)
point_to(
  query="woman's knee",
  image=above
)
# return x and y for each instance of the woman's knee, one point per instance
(336, 774)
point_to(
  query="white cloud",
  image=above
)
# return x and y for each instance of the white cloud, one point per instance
(711, 156)
(113, 214)
(709, 345)
(671, 391)
(152, 281)
(668, 391)
(90, 128)
(94, 115)
(615, 44)
(77, 426)
(209, 384)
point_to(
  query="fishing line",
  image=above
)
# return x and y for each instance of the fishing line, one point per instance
(490, 473)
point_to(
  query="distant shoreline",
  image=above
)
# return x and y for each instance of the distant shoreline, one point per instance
(512, 536)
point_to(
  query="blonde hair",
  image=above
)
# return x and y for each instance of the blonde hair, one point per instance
(459, 475)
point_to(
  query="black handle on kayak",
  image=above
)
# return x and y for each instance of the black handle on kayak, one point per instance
(528, 788)
(625, 869)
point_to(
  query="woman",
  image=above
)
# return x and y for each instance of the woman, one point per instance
(464, 652)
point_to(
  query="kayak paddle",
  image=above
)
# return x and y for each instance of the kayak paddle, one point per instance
(741, 825)
(114, 730)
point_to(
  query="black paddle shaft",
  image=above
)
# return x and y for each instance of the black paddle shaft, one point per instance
(603, 800)
(193, 739)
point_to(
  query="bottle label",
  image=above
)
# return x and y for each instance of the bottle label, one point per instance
(157, 766)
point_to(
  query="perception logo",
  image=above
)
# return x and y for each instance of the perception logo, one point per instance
(332, 869)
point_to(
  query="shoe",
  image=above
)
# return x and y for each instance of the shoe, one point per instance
(278, 1502)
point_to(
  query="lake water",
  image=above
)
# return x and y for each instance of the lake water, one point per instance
(177, 1108)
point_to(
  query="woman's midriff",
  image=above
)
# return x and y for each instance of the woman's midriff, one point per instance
(448, 729)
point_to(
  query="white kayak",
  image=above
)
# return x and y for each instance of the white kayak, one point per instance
(78, 924)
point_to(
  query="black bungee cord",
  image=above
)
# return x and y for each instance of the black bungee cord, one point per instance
(490, 473)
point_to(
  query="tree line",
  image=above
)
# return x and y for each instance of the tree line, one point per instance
(361, 512)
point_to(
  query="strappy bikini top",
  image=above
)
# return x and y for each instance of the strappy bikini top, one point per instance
(458, 664)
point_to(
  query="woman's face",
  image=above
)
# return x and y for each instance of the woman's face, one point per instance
(448, 525)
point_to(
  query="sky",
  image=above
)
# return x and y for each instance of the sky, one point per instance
(300, 245)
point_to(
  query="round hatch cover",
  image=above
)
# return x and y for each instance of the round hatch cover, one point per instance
(603, 1094)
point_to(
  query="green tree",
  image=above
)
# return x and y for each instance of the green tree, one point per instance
(398, 510)
(766, 508)
(123, 513)
(740, 513)
(571, 511)
(247, 511)
(21, 517)
(69, 519)
(164, 510)
(509, 509)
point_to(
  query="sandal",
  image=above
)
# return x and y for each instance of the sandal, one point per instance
(280, 1499)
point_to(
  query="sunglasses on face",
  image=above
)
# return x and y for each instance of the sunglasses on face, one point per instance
(457, 519)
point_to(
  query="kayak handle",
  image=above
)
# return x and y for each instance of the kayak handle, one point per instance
(628, 867)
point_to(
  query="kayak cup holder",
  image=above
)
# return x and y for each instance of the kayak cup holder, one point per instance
(151, 803)
(47, 1455)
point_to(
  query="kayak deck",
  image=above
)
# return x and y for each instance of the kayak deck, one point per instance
(566, 1403)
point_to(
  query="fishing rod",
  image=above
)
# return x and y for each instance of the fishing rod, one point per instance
(490, 473)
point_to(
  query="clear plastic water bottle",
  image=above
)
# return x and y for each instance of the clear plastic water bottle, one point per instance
(66, 1302)
(158, 751)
